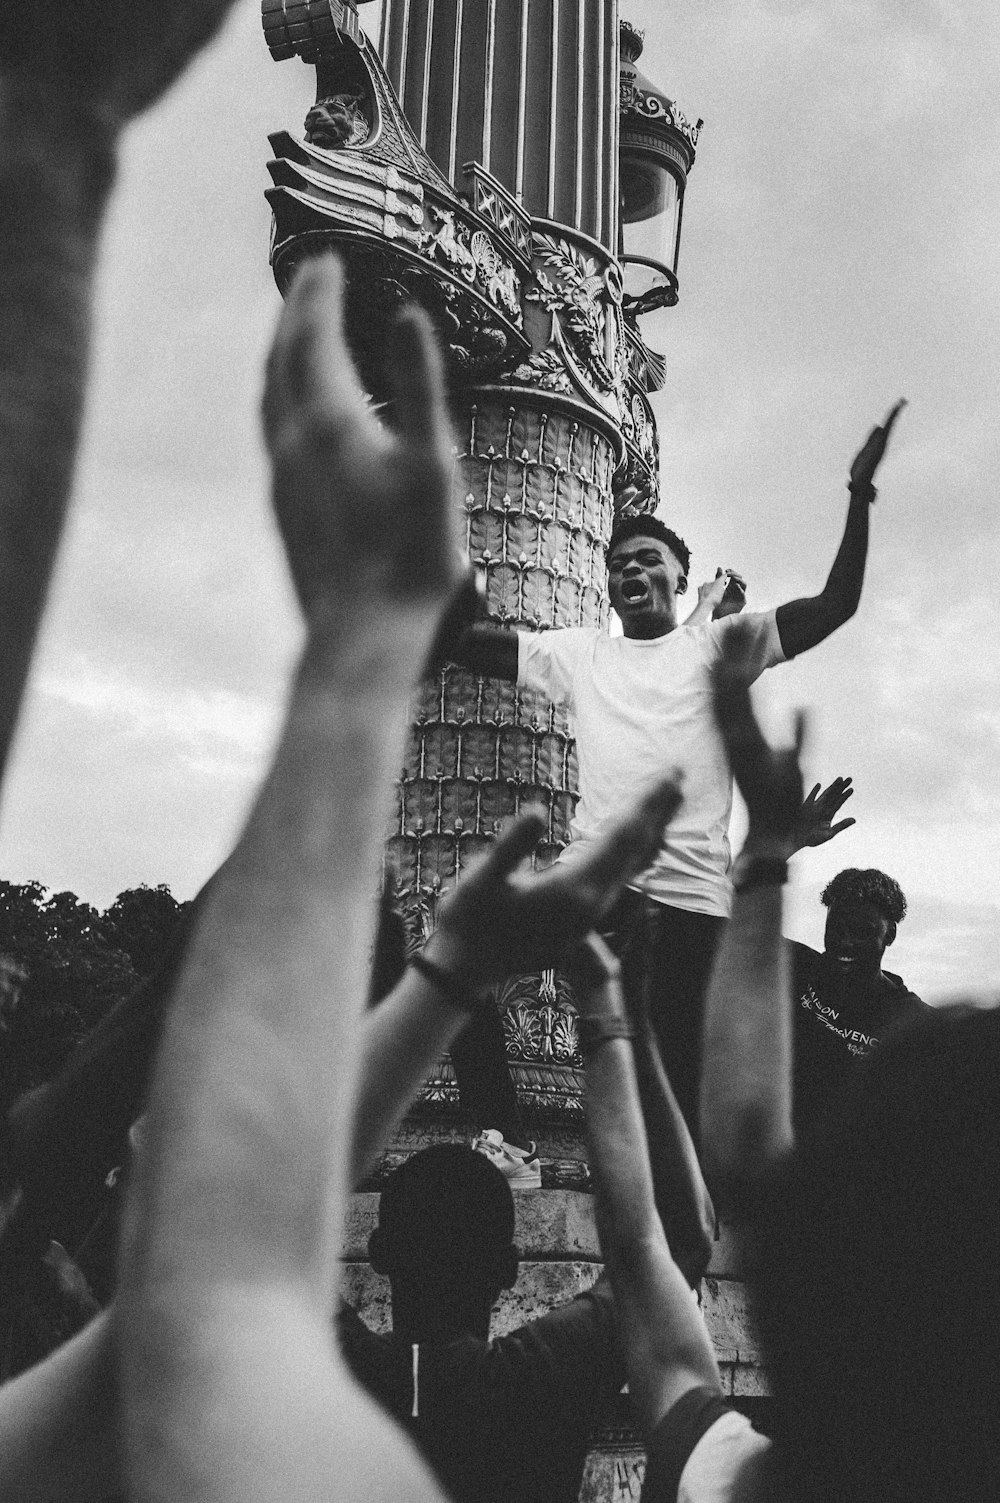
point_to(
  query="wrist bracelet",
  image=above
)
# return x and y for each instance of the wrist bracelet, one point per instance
(595, 1031)
(761, 871)
(863, 492)
(457, 992)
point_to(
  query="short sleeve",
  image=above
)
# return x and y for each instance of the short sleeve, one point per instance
(700, 1452)
(547, 661)
(761, 628)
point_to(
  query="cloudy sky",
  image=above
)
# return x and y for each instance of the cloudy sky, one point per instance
(840, 250)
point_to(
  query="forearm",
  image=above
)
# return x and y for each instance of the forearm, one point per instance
(746, 1079)
(402, 1040)
(805, 623)
(663, 1335)
(56, 171)
(59, 1424)
(681, 1195)
(250, 1123)
(489, 650)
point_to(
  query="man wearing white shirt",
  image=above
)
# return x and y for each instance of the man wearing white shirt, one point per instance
(641, 704)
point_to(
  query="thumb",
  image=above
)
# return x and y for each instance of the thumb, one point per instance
(515, 842)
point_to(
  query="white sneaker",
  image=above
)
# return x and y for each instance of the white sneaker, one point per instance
(520, 1167)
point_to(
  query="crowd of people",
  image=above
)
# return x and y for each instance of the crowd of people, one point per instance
(251, 1085)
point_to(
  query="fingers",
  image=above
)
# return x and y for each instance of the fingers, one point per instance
(633, 842)
(843, 824)
(893, 415)
(309, 370)
(416, 380)
(516, 841)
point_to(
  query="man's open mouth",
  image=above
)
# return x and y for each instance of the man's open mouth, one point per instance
(634, 590)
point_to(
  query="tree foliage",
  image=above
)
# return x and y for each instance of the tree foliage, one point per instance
(75, 964)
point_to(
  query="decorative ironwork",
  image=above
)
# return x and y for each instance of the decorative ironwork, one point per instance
(638, 96)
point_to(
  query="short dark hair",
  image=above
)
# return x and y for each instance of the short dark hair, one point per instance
(866, 885)
(872, 1283)
(447, 1203)
(649, 527)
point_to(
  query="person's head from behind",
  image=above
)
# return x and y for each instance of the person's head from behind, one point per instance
(876, 1287)
(647, 569)
(864, 907)
(445, 1237)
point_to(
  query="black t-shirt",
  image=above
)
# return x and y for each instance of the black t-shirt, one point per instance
(503, 1421)
(833, 1026)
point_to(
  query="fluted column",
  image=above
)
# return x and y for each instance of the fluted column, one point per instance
(527, 88)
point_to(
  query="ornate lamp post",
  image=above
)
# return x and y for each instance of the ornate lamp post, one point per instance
(473, 164)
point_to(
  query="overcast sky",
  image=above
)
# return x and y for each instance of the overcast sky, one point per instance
(840, 250)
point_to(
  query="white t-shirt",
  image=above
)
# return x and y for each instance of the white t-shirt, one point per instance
(641, 707)
(723, 1467)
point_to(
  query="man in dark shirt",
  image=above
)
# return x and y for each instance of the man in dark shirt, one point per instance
(505, 1420)
(843, 1001)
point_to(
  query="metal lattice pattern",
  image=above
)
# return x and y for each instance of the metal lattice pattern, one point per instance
(535, 485)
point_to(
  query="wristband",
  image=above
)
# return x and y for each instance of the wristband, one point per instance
(457, 992)
(595, 1031)
(761, 871)
(863, 492)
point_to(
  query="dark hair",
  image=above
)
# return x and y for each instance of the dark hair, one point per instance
(875, 1286)
(649, 527)
(866, 885)
(447, 1203)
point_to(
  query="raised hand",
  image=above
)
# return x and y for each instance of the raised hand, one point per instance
(725, 595)
(869, 456)
(769, 778)
(500, 919)
(820, 807)
(364, 509)
(117, 56)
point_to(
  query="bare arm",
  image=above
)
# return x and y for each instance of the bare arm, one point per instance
(746, 1077)
(232, 1386)
(70, 78)
(489, 650)
(498, 920)
(725, 595)
(805, 623)
(682, 1199)
(59, 1424)
(667, 1348)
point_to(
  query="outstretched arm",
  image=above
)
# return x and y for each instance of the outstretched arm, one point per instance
(487, 649)
(232, 1385)
(499, 920)
(804, 623)
(667, 1348)
(71, 76)
(746, 1075)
